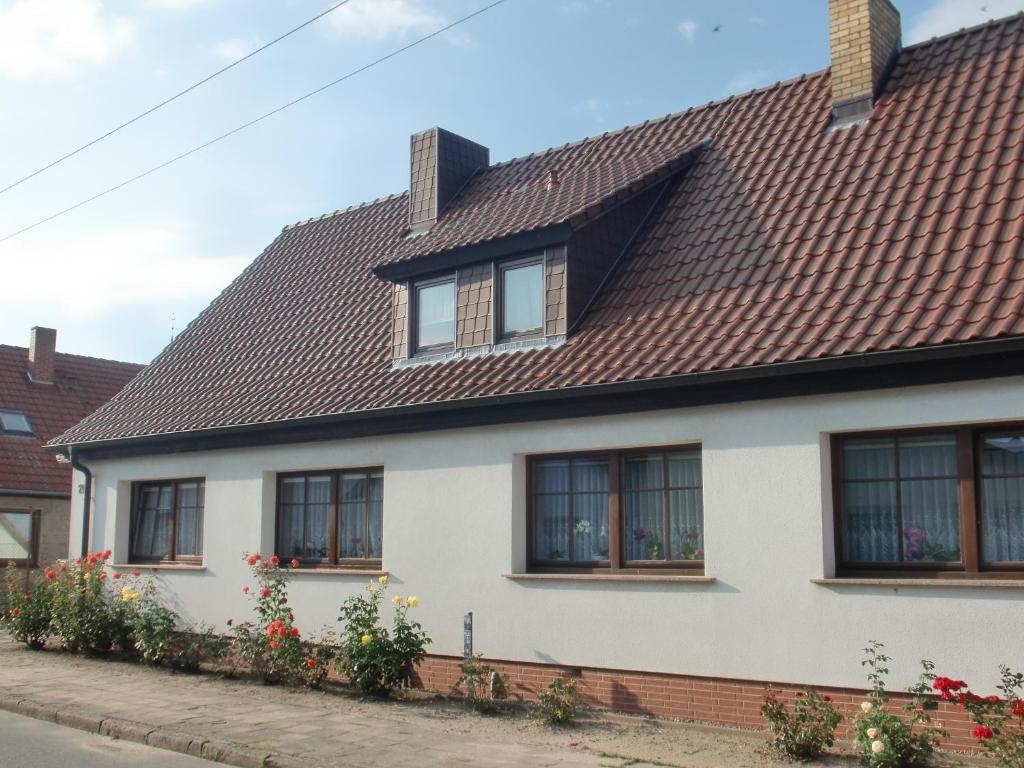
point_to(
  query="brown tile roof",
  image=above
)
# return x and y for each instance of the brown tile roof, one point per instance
(81, 385)
(785, 242)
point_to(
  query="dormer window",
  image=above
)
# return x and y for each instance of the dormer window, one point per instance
(522, 298)
(14, 423)
(434, 308)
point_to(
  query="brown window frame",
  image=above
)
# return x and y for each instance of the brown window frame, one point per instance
(172, 558)
(969, 487)
(414, 315)
(616, 563)
(500, 268)
(332, 561)
(33, 538)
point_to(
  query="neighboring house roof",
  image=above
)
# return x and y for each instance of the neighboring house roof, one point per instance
(81, 384)
(784, 242)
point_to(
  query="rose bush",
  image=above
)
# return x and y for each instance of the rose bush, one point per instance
(28, 608)
(998, 718)
(805, 732)
(86, 616)
(372, 658)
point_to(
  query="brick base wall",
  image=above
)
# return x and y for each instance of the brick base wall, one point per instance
(710, 700)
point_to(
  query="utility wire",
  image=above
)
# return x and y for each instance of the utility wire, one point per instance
(253, 122)
(175, 97)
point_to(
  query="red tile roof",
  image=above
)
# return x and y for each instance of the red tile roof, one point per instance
(81, 385)
(784, 242)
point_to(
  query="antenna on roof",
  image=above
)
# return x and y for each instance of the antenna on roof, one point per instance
(172, 326)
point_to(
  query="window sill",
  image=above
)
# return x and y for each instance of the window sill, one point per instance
(627, 577)
(158, 567)
(338, 572)
(965, 583)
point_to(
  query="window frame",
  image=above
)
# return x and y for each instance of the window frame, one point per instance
(414, 314)
(616, 563)
(969, 488)
(33, 539)
(16, 432)
(332, 561)
(500, 268)
(172, 557)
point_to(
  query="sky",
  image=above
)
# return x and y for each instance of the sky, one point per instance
(119, 276)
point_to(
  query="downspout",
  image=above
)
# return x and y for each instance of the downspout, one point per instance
(87, 503)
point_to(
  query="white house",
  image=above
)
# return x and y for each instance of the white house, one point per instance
(700, 404)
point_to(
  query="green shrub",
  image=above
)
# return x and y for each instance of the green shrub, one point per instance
(885, 739)
(87, 617)
(372, 658)
(481, 686)
(559, 703)
(806, 732)
(28, 608)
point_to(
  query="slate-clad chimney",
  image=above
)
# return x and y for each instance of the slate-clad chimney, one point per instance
(865, 39)
(42, 354)
(441, 163)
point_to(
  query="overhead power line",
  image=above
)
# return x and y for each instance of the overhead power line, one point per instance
(175, 97)
(254, 121)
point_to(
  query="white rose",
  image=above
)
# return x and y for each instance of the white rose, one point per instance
(872, 733)
(866, 706)
(877, 746)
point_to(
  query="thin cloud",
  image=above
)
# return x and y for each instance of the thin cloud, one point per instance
(233, 49)
(757, 21)
(51, 38)
(382, 19)
(687, 29)
(176, 5)
(948, 16)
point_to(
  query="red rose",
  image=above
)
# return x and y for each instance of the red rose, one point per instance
(103, 575)
(311, 663)
(253, 558)
(136, 574)
(245, 590)
(265, 592)
(230, 622)
(993, 699)
(274, 559)
(93, 559)
(117, 576)
(1018, 708)
(274, 645)
(295, 632)
(107, 553)
(51, 575)
(63, 566)
(24, 598)
(295, 563)
(982, 732)
(15, 612)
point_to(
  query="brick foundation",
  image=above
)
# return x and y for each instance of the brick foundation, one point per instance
(710, 700)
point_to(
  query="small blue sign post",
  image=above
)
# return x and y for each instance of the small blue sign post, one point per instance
(467, 634)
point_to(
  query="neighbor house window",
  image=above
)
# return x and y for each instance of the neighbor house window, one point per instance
(331, 518)
(17, 536)
(167, 521)
(616, 510)
(14, 423)
(522, 298)
(936, 501)
(434, 315)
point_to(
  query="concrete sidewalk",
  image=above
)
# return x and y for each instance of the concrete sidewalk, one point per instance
(242, 723)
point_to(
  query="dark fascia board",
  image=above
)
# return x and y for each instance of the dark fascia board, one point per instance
(443, 261)
(878, 370)
(6, 492)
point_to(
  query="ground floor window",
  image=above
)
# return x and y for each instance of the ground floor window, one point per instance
(615, 510)
(18, 536)
(332, 517)
(933, 502)
(167, 521)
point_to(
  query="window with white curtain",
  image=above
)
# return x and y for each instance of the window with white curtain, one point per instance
(167, 521)
(331, 517)
(635, 510)
(931, 501)
(17, 537)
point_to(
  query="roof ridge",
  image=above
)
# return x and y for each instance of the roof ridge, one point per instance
(964, 31)
(78, 357)
(340, 211)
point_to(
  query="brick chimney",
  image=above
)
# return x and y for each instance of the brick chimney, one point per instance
(441, 163)
(42, 354)
(865, 39)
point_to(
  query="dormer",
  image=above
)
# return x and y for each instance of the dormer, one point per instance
(510, 256)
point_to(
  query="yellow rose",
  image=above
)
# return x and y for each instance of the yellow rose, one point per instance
(372, 589)
(397, 599)
(383, 580)
(366, 639)
(413, 601)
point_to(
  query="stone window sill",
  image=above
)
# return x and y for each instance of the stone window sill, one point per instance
(158, 567)
(337, 572)
(626, 577)
(906, 582)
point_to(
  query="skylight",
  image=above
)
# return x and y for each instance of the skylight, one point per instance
(14, 423)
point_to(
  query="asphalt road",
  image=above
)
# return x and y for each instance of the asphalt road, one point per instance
(29, 743)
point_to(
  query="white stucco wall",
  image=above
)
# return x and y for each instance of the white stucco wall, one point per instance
(454, 506)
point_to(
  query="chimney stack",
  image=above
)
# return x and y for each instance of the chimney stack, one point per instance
(441, 163)
(42, 355)
(865, 39)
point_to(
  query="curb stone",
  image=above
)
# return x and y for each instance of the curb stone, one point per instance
(214, 750)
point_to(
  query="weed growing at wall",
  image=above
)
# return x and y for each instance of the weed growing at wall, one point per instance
(559, 703)
(807, 731)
